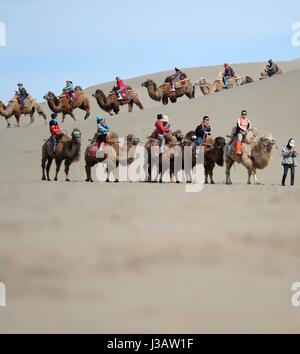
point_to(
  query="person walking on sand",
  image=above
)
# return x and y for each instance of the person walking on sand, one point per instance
(289, 154)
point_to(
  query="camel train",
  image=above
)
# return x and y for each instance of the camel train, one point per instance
(256, 155)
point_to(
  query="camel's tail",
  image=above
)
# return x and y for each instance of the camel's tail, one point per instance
(38, 108)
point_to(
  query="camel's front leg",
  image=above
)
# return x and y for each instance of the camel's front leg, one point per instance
(67, 169)
(18, 116)
(44, 160)
(58, 164)
(8, 124)
(49, 163)
(249, 177)
(211, 175)
(88, 170)
(255, 178)
(72, 115)
(130, 107)
(229, 164)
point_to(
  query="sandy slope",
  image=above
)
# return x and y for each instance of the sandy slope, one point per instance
(151, 258)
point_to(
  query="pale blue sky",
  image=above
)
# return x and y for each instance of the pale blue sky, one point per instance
(92, 41)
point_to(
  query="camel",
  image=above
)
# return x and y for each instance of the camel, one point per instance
(213, 155)
(264, 75)
(247, 80)
(164, 92)
(111, 158)
(67, 150)
(207, 88)
(111, 103)
(63, 105)
(172, 150)
(14, 109)
(256, 154)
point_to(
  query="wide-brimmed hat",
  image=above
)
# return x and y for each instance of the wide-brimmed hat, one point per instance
(165, 119)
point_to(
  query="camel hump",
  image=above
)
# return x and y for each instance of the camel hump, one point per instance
(79, 89)
(112, 138)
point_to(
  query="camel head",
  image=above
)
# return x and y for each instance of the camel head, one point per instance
(147, 83)
(98, 93)
(178, 134)
(202, 81)
(49, 95)
(132, 140)
(220, 143)
(76, 135)
(267, 141)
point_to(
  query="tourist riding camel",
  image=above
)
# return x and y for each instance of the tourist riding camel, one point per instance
(242, 127)
(229, 73)
(175, 78)
(161, 131)
(102, 132)
(202, 132)
(121, 89)
(272, 69)
(55, 131)
(22, 94)
(69, 89)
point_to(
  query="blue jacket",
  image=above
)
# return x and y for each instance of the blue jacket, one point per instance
(102, 129)
(70, 86)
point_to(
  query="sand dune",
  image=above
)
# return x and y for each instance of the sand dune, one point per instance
(151, 258)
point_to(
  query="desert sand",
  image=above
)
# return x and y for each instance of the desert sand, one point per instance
(138, 257)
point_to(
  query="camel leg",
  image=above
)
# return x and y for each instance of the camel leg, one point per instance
(31, 117)
(229, 164)
(249, 176)
(139, 104)
(67, 169)
(49, 163)
(63, 117)
(206, 177)
(116, 108)
(58, 164)
(88, 113)
(88, 170)
(72, 115)
(255, 178)
(8, 123)
(44, 160)
(130, 106)
(18, 116)
(211, 175)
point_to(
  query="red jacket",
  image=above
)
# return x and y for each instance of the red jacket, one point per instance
(121, 85)
(160, 129)
(55, 130)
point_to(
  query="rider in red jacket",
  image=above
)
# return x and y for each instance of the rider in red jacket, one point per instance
(120, 87)
(161, 130)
